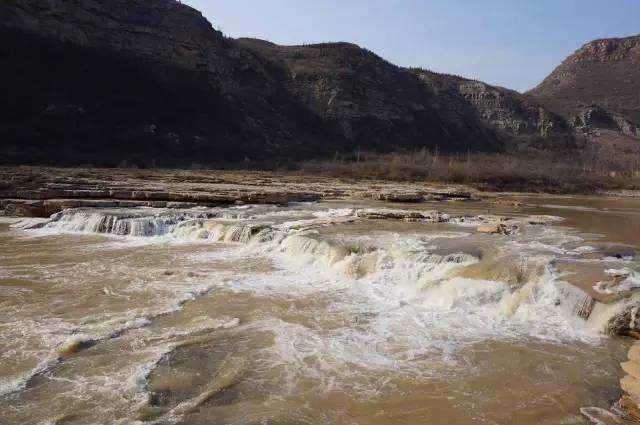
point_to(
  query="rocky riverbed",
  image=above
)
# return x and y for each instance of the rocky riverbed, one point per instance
(298, 278)
(40, 192)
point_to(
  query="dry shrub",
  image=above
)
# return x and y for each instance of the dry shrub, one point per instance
(576, 172)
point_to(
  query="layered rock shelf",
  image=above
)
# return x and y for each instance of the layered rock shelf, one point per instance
(40, 192)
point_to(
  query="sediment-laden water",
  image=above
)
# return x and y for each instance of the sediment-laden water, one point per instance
(315, 313)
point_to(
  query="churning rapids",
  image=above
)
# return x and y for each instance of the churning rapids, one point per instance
(327, 313)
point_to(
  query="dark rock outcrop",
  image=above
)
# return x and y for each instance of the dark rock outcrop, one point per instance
(596, 117)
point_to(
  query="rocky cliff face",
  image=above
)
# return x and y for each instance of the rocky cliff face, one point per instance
(369, 100)
(603, 73)
(152, 82)
(503, 109)
(596, 117)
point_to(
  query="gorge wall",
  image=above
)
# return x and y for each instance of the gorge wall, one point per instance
(153, 83)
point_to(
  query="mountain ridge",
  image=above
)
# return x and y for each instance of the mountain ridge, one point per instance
(603, 73)
(154, 83)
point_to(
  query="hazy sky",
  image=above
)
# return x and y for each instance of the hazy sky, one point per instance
(513, 43)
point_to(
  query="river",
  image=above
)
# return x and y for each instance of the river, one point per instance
(316, 313)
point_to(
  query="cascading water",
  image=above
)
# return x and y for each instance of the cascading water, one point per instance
(414, 270)
(303, 304)
(135, 222)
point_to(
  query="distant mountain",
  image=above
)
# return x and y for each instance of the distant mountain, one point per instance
(597, 86)
(152, 82)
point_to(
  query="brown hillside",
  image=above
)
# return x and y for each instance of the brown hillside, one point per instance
(603, 72)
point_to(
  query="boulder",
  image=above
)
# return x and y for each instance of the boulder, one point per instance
(634, 353)
(632, 368)
(489, 228)
(631, 386)
(498, 229)
(627, 323)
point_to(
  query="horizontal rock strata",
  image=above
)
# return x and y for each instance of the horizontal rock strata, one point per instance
(40, 192)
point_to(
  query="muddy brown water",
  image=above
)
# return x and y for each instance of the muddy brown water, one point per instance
(305, 315)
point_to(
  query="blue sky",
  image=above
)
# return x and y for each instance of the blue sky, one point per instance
(512, 43)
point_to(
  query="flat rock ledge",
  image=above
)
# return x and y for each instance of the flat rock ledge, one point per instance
(47, 207)
(40, 192)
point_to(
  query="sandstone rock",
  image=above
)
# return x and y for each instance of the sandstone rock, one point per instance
(498, 229)
(631, 386)
(52, 206)
(632, 368)
(491, 229)
(634, 353)
(131, 188)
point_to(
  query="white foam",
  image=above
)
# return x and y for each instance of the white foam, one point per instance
(385, 331)
(27, 223)
(630, 282)
(408, 306)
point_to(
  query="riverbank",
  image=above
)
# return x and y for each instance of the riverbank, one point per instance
(42, 191)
